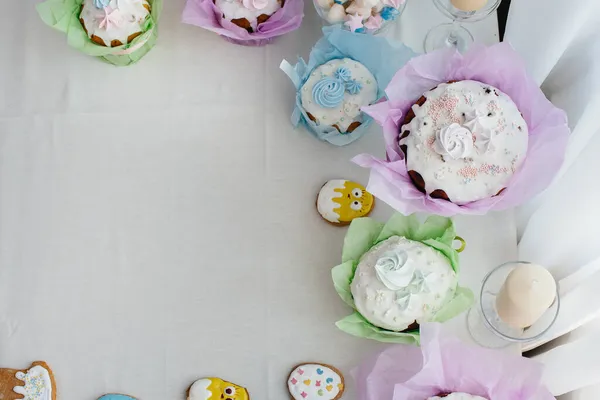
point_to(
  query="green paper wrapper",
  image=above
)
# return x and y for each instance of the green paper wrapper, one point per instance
(63, 15)
(363, 234)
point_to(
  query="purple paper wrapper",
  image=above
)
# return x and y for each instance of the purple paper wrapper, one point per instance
(499, 66)
(205, 14)
(443, 364)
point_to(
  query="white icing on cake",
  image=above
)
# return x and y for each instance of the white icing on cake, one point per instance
(117, 21)
(438, 146)
(37, 384)
(426, 274)
(458, 396)
(349, 109)
(199, 390)
(248, 9)
(314, 381)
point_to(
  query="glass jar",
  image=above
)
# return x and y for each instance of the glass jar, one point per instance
(360, 16)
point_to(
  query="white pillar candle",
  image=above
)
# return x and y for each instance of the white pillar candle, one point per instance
(468, 5)
(526, 294)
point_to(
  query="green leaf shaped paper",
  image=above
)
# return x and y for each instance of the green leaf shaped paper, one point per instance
(63, 15)
(363, 234)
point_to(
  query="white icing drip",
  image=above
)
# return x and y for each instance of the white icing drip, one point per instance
(199, 390)
(458, 396)
(325, 204)
(430, 287)
(348, 110)
(316, 382)
(126, 18)
(38, 385)
(235, 9)
(500, 140)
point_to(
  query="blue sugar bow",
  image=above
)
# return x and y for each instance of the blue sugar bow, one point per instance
(353, 86)
(389, 13)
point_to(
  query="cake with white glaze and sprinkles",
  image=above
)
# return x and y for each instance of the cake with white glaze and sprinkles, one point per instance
(401, 283)
(463, 141)
(335, 92)
(248, 14)
(113, 23)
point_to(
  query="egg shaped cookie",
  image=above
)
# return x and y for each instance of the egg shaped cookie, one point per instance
(216, 389)
(312, 381)
(340, 201)
(116, 396)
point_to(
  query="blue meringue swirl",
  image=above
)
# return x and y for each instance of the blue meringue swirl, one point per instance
(101, 4)
(389, 13)
(353, 86)
(343, 74)
(328, 92)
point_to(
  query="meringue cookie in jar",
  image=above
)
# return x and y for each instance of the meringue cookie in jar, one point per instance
(361, 16)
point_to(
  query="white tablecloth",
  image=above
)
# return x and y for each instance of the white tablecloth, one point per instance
(157, 222)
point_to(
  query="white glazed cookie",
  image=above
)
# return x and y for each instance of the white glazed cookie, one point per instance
(467, 140)
(335, 92)
(114, 23)
(34, 383)
(249, 10)
(458, 396)
(400, 281)
(315, 381)
(340, 201)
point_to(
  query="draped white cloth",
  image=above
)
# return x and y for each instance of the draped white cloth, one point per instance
(560, 42)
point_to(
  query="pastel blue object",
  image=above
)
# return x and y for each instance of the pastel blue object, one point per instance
(343, 74)
(319, 371)
(360, 30)
(116, 397)
(353, 86)
(328, 92)
(379, 55)
(101, 4)
(389, 13)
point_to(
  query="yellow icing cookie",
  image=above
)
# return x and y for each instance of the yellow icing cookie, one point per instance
(340, 201)
(216, 389)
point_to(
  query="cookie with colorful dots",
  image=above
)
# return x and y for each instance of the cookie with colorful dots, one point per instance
(35, 383)
(315, 381)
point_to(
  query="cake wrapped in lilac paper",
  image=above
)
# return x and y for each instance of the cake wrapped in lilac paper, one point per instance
(345, 71)
(245, 22)
(444, 365)
(469, 159)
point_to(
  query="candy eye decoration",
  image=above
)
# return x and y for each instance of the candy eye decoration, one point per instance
(356, 205)
(357, 193)
(230, 391)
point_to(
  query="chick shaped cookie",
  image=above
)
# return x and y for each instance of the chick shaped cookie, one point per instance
(340, 201)
(312, 381)
(35, 383)
(216, 389)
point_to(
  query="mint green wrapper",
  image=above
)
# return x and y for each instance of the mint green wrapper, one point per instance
(363, 234)
(63, 15)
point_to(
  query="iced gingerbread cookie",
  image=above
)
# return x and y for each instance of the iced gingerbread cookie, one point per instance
(114, 396)
(35, 383)
(335, 92)
(340, 201)
(313, 381)
(457, 396)
(113, 23)
(248, 14)
(216, 389)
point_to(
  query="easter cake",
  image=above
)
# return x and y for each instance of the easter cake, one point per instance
(113, 23)
(335, 92)
(463, 141)
(401, 283)
(248, 14)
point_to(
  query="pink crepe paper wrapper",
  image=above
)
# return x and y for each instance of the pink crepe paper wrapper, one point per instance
(499, 66)
(443, 364)
(205, 14)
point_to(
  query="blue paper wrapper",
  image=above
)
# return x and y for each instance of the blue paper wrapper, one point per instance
(379, 55)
